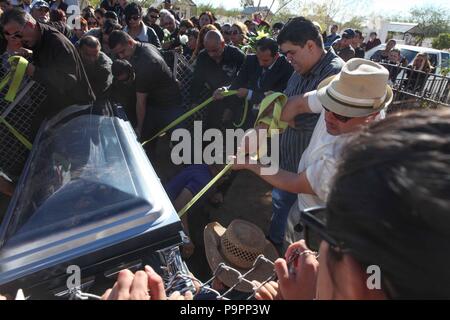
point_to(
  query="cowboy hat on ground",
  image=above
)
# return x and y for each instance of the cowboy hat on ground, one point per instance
(238, 246)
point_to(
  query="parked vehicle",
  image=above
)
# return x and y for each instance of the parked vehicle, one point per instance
(438, 58)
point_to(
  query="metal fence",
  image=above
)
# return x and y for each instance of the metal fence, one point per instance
(416, 88)
(19, 114)
(184, 73)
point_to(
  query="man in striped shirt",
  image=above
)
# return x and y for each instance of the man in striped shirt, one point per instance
(303, 46)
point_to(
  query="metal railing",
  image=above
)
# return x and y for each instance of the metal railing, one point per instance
(19, 114)
(413, 86)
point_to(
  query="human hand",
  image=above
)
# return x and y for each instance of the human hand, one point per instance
(24, 52)
(143, 285)
(217, 95)
(242, 92)
(30, 70)
(301, 283)
(138, 131)
(270, 291)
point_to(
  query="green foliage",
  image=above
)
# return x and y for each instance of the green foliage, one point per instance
(442, 41)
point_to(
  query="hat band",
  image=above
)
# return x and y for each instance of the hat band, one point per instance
(348, 104)
(355, 102)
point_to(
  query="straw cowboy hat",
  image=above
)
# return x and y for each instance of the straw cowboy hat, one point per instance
(238, 246)
(360, 89)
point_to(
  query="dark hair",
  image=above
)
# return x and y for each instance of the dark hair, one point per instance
(152, 9)
(359, 33)
(100, 11)
(89, 41)
(16, 15)
(218, 26)
(278, 25)
(120, 67)
(193, 32)
(110, 25)
(186, 23)
(8, 2)
(390, 202)
(57, 15)
(118, 37)
(210, 15)
(298, 31)
(373, 33)
(112, 16)
(268, 44)
(132, 9)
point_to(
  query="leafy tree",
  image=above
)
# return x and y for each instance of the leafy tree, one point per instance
(442, 41)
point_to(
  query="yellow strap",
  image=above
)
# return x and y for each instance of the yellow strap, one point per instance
(18, 68)
(272, 120)
(16, 133)
(187, 115)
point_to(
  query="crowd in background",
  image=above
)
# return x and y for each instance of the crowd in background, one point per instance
(123, 52)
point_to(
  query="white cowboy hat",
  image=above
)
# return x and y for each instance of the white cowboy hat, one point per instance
(359, 90)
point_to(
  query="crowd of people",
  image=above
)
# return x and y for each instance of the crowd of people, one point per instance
(378, 184)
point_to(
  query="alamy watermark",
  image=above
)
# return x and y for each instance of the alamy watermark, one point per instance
(191, 148)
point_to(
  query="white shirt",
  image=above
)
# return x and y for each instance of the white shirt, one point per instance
(142, 36)
(319, 161)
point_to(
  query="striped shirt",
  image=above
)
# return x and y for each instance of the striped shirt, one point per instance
(295, 140)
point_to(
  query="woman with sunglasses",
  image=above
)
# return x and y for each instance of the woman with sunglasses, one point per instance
(238, 34)
(385, 231)
(136, 27)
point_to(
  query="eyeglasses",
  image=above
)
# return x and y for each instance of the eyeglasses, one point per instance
(154, 17)
(313, 225)
(340, 118)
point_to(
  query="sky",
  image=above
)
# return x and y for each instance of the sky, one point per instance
(383, 7)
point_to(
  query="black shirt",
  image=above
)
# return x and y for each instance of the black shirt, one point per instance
(213, 75)
(99, 75)
(60, 70)
(154, 77)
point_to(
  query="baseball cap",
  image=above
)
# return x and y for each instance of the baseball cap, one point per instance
(348, 33)
(40, 4)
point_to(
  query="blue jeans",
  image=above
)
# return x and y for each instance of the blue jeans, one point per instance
(282, 202)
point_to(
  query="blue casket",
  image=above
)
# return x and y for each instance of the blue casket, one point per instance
(87, 197)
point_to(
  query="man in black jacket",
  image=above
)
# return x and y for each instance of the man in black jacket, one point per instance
(217, 66)
(97, 66)
(56, 63)
(264, 71)
(158, 97)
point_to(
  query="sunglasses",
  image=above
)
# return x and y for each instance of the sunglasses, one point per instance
(340, 118)
(313, 225)
(154, 17)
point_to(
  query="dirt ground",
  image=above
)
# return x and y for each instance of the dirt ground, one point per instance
(249, 198)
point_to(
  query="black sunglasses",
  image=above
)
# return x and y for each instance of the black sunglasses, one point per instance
(313, 225)
(154, 17)
(343, 119)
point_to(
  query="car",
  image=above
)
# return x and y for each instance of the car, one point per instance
(438, 58)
